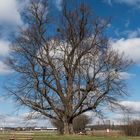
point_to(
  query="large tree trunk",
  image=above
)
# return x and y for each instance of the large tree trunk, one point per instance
(68, 128)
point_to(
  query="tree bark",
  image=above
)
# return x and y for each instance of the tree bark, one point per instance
(68, 128)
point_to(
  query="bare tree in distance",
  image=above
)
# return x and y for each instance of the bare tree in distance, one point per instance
(80, 122)
(70, 72)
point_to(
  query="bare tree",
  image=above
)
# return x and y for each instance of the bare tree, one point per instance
(70, 72)
(80, 122)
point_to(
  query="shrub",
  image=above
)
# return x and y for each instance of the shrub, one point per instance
(132, 128)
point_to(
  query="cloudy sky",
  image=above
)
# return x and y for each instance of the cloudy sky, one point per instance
(123, 33)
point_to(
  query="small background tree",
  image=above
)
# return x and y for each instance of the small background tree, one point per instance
(132, 128)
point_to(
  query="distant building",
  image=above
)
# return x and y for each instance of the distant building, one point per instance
(37, 128)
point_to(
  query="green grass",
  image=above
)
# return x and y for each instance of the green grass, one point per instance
(54, 137)
(44, 136)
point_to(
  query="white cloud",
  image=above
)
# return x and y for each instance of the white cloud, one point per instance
(132, 106)
(58, 4)
(4, 51)
(135, 3)
(9, 120)
(131, 47)
(4, 47)
(15, 121)
(129, 2)
(4, 69)
(9, 12)
(132, 34)
(118, 116)
(133, 110)
(125, 75)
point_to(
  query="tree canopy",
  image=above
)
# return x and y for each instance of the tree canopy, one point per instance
(70, 72)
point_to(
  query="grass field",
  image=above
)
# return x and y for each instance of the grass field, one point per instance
(44, 136)
(83, 138)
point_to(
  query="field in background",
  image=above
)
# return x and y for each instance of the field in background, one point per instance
(46, 136)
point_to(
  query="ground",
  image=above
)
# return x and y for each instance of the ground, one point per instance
(44, 136)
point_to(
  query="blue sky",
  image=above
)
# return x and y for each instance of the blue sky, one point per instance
(123, 33)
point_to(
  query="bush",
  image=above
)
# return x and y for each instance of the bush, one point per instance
(132, 128)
